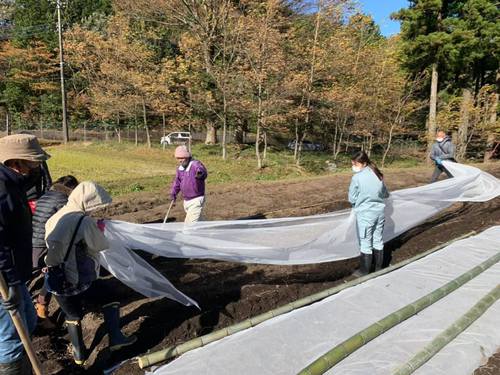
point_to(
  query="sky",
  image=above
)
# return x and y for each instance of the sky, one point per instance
(381, 10)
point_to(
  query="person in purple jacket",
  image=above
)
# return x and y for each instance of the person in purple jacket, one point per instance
(190, 181)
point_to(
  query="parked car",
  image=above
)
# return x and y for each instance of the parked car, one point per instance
(176, 138)
(307, 146)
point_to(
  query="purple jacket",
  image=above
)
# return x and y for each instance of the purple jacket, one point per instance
(190, 181)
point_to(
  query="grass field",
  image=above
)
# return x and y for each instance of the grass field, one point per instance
(125, 168)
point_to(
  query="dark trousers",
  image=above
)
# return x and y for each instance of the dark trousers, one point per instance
(96, 296)
(38, 263)
(437, 172)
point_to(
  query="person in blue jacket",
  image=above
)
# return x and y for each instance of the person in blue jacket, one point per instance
(367, 193)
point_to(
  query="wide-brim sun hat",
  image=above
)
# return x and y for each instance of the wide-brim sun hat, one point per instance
(23, 147)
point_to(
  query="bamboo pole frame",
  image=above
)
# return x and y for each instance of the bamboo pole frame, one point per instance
(450, 333)
(150, 359)
(349, 346)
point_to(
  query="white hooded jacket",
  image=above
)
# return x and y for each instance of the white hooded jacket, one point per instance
(59, 229)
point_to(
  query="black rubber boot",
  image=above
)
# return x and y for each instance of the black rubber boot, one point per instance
(20, 367)
(117, 339)
(76, 338)
(379, 259)
(365, 263)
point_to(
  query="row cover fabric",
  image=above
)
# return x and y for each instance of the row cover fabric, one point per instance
(284, 241)
(288, 343)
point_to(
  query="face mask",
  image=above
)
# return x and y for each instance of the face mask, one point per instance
(32, 177)
(356, 169)
(439, 139)
(185, 163)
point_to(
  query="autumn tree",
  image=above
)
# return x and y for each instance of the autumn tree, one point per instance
(262, 66)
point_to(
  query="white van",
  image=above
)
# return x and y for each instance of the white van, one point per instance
(176, 138)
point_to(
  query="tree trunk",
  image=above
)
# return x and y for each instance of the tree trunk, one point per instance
(163, 129)
(224, 127)
(432, 125)
(211, 138)
(8, 129)
(264, 154)
(370, 145)
(463, 128)
(106, 135)
(136, 129)
(341, 135)
(491, 138)
(41, 129)
(299, 151)
(257, 147)
(297, 139)
(117, 128)
(118, 134)
(85, 131)
(146, 127)
(389, 143)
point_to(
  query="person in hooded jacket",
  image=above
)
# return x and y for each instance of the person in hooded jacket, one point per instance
(74, 240)
(20, 155)
(367, 194)
(442, 149)
(47, 206)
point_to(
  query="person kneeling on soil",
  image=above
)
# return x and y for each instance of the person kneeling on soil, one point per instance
(74, 241)
(190, 181)
(47, 206)
(367, 193)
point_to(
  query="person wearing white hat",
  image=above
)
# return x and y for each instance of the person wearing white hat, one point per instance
(190, 181)
(20, 155)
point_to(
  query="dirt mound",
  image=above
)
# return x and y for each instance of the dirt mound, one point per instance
(230, 292)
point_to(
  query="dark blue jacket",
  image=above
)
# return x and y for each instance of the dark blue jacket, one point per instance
(15, 228)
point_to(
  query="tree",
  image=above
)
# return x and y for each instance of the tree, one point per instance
(428, 45)
(262, 66)
(204, 25)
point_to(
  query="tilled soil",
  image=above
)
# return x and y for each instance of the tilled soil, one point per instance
(231, 292)
(492, 367)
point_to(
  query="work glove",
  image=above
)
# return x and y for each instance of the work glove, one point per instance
(172, 200)
(439, 161)
(14, 300)
(101, 225)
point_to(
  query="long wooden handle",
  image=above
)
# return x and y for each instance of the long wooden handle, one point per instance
(168, 212)
(21, 330)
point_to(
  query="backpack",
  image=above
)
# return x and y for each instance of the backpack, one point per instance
(55, 276)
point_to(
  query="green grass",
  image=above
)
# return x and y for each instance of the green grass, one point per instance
(125, 168)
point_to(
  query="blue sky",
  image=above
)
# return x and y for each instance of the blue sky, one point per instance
(381, 10)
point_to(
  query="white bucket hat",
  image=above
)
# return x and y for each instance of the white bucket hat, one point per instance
(21, 146)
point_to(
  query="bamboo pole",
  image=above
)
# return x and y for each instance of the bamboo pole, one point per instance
(150, 359)
(347, 347)
(450, 333)
(21, 329)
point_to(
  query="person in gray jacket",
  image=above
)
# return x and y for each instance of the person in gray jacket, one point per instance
(442, 149)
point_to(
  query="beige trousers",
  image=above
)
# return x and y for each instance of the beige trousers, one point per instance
(194, 209)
